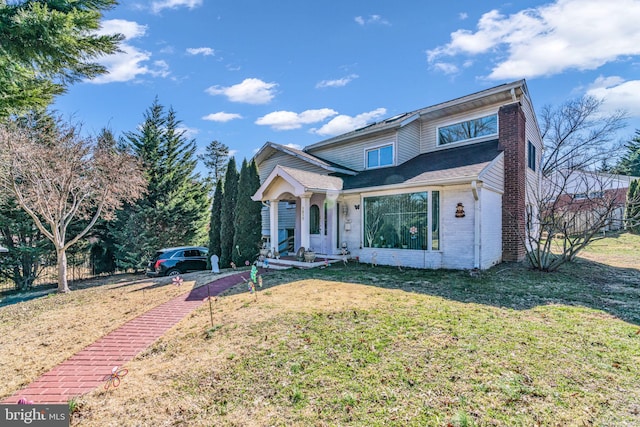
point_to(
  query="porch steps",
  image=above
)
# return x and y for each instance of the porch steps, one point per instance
(274, 266)
(321, 261)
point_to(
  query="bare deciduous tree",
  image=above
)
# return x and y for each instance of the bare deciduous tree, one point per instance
(573, 208)
(577, 135)
(60, 178)
(574, 204)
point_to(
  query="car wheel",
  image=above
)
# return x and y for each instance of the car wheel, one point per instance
(173, 272)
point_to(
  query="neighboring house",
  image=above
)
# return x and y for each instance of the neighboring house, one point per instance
(440, 187)
(586, 199)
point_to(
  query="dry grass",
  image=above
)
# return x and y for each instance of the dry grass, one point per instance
(509, 347)
(326, 353)
(37, 335)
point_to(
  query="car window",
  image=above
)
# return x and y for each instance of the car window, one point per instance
(179, 254)
(191, 253)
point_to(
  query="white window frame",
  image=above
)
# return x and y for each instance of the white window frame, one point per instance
(378, 147)
(476, 139)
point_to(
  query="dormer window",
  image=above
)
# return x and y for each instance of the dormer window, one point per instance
(468, 130)
(379, 157)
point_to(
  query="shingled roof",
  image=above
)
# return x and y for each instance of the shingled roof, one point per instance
(459, 162)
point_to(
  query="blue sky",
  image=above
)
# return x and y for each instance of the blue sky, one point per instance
(296, 72)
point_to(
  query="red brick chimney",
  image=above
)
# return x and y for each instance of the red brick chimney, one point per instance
(512, 141)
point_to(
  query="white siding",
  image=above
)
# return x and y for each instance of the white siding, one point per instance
(490, 228)
(457, 234)
(353, 236)
(533, 178)
(408, 142)
(493, 176)
(351, 155)
(282, 159)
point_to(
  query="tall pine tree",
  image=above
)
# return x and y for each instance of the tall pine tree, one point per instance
(47, 44)
(632, 214)
(630, 162)
(174, 210)
(215, 159)
(214, 224)
(247, 222)
(227, 215)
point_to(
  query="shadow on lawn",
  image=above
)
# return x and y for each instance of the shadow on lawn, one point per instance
(511, 285)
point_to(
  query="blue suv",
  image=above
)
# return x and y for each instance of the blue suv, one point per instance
(179, 260)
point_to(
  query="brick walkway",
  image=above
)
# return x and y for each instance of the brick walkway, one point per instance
(86, 370)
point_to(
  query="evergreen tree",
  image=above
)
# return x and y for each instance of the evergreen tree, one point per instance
(248, 219)
(215, 159)
(214, 225)
(630, 162)
(46, 44)
(173, 211)
(28, 247)
(632, 214)
(66, 183)
(227, 214)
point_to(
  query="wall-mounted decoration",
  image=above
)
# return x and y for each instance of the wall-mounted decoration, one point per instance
(460, 210)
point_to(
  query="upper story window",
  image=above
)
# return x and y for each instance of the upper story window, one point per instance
(531, 155)
(468, 130)
(380, 157)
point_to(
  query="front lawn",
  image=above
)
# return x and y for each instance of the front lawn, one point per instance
(362, 345)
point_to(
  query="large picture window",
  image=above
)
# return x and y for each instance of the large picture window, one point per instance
(470, 129)
(402, 221)
(379, 157)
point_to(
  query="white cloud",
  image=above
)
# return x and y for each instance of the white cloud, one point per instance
(187, 132)
(161, 69)
(446, 67)
(167, 50)
(463, 15)
(337, 82)
(250, 91)
(129, 29)
(205, 51)
(159, 5)
(371, 20)
(566, 34)
(343, 123)
(617, 94)
(130, 62)
(295, 146)
(221, 117)
(287, 120)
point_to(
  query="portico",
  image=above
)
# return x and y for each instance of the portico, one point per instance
(316, 201)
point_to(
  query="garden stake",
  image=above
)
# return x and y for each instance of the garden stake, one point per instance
(210, 308)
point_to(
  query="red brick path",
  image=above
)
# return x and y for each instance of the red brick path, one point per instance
(86, 370)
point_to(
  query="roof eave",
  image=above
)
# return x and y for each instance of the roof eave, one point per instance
(507, 87)
(404, 185)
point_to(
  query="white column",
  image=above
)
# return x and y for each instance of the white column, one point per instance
(333, 228)
(273, 223)
(305, 200)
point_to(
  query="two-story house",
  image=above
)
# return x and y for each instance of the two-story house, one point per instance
(441, 187)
